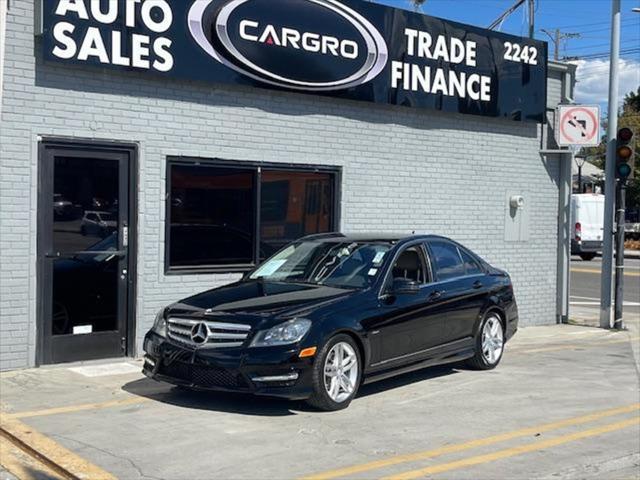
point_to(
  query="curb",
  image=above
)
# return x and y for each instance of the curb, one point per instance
(627, 254)
(64, 462)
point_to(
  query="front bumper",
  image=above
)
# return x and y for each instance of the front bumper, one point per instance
(230, 369)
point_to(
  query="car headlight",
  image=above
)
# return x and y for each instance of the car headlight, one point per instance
(289, 332)
(160, 324)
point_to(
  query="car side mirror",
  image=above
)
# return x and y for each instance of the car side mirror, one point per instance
(404, 286)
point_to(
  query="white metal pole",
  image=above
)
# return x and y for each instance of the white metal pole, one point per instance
(564, 236)
(610, 169)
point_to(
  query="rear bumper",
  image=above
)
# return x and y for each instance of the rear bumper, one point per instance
(240, 370)
(586, 246)
(511, 312)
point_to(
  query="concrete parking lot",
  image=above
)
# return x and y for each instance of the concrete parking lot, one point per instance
(564, 403)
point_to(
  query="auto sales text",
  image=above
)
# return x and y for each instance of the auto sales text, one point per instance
(136, 50)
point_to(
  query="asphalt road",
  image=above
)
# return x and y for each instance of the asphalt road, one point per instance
(585, 288)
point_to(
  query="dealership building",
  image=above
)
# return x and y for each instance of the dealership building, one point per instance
(163, 148)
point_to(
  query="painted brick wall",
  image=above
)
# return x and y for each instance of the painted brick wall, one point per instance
(403, 170)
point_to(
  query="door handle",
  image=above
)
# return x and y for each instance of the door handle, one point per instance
(436, 294)
(477, 284)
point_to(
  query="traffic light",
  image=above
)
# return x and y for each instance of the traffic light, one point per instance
(625, 155)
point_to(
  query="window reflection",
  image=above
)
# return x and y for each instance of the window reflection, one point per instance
(294, 204)
(85, 202)
(212, 216)
(213, 212)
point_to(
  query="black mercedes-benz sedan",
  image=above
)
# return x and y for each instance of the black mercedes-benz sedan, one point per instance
(330, 312)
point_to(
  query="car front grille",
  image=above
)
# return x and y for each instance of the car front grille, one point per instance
(218, 334)
(203, 376)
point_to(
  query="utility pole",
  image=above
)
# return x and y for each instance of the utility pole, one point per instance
(498, 21)
(610, 168)
(557, 37)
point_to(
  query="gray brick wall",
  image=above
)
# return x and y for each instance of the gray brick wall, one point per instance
(403, 169)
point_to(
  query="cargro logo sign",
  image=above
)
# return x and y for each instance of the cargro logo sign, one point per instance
(316, 45)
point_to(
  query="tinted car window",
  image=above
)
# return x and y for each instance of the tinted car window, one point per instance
(446, 260)
(409, 265)
(470, 265)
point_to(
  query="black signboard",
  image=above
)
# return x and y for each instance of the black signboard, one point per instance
(348, 49)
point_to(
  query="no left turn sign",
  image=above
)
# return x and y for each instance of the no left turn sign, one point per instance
(578, 125)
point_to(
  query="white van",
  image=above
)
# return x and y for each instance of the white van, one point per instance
(587, 224)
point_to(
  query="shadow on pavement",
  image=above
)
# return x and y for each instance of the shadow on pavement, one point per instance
(406, 379)
(248, 404)
(210, 400)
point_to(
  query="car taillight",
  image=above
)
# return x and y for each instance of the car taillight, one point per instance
(578, 232)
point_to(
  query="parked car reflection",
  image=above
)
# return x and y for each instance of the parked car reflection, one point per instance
(97, 223)
(85, 289)
(62, 207)
(197, 245)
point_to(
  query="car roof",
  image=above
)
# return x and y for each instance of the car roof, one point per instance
(384, 237)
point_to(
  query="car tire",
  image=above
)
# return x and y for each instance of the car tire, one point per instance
(489, 343)
(334, 387)
(587, 257)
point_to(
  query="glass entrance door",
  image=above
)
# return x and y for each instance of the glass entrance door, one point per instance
(84, 245)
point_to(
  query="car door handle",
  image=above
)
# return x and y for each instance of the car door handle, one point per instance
(477, 284)
(436, 294)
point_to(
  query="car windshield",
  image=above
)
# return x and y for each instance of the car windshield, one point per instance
(331, 263)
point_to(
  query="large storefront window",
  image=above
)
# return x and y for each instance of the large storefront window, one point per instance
(229, 217)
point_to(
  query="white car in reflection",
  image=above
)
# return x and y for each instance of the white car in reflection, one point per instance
(97, 223)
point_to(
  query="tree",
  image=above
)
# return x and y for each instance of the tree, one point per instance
(629, 116)
(632, 100)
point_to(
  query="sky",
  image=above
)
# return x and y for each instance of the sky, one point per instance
(591, 19)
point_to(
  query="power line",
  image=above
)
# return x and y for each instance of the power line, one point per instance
(626, 21)
(602, 54)
(604, 22)
(604, 29)
(557, 37)
(632, 42)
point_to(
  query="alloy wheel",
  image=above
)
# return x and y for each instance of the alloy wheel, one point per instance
(341, 372)
(492, 340)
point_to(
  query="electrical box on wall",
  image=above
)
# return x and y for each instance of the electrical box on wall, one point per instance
(516, 223)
